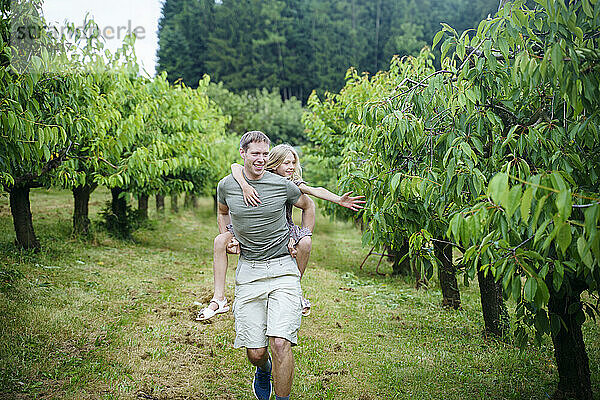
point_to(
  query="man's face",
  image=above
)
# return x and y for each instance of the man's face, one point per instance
(255, 159)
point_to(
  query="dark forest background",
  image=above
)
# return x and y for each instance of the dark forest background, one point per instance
(299, 45)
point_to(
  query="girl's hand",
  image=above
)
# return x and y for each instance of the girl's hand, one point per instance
(353, 203)
(250, 195)
(292, 248)
(233, 247)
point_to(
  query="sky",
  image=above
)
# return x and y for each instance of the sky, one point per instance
(115, 19)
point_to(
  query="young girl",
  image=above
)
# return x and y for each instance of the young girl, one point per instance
(284, 161)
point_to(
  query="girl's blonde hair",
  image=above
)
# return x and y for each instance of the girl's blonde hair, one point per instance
(278, 154)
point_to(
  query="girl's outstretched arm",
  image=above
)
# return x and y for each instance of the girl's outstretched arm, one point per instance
(250, 194)
(345, 200)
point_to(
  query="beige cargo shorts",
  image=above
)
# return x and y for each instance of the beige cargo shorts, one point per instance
(267, 301)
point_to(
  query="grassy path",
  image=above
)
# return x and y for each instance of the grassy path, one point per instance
(103, 319)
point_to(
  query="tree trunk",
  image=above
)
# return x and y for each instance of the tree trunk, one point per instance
(215, 205)
(569, 350)
(81, 199)
(420, 280)
(447, 276)
(174, 206)
(119, 210)
(143, 205)
(401, 268)
(495, 314)
(20, 209)
(189, 200)
(160, 204)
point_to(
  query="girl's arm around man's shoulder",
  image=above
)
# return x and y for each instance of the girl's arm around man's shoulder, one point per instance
(250, 194)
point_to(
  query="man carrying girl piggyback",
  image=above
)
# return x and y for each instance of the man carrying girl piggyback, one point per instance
(254, 206)
(283, 160)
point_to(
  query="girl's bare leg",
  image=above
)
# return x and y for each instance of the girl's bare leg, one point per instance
(304, 247)
(220, 266)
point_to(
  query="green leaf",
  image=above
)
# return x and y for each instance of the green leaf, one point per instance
(478, 145)
(557, 280)
(503, 45)
(538, 209)
(579, 33)
(526, 204)
(471, 96)
(498, 188)
(557, 181)
(437, 38)
(530, 288)
(46, 152)
(563, 237)
(591, 218)
(541, 230)
(466, 149)
(543, 290)
(395, 182)
(448, 28)
(366, 238)
(516, 288)
(584, 252)
(455, 226)
(557, 57)
(587, 8)
(11, 119)
(445, 47)
(513, 200)
(508, 277)
(563, 204)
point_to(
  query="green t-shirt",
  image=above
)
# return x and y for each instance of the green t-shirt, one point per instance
(262, 231)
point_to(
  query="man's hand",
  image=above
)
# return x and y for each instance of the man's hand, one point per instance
(292, 249)
(308, 211)
(233, 247)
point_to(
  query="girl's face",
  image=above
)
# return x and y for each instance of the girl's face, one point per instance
(287, 167)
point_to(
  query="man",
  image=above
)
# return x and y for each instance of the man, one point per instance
(267, 307)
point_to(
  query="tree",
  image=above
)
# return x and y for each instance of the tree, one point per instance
(501, 146)
(540, 216)
(298, 46)
(43, 112)
(262, 110)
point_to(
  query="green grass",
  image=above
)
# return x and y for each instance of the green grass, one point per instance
(105, 319)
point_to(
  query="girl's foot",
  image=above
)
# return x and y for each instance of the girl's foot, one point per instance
(214, 307)
(305, 307)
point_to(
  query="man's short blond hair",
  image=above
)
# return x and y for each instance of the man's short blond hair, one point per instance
(253, 137)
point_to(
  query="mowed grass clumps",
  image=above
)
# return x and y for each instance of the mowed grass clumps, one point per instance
(100, 318)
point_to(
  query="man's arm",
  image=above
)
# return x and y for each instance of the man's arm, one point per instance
(308, 211)
(223, 217)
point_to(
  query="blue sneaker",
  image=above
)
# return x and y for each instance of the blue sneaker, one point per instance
(261, 385)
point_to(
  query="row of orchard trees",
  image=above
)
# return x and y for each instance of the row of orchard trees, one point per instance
(75, 116)
(497, 154)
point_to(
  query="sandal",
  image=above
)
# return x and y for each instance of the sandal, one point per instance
(208, 312)
(305, 307)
